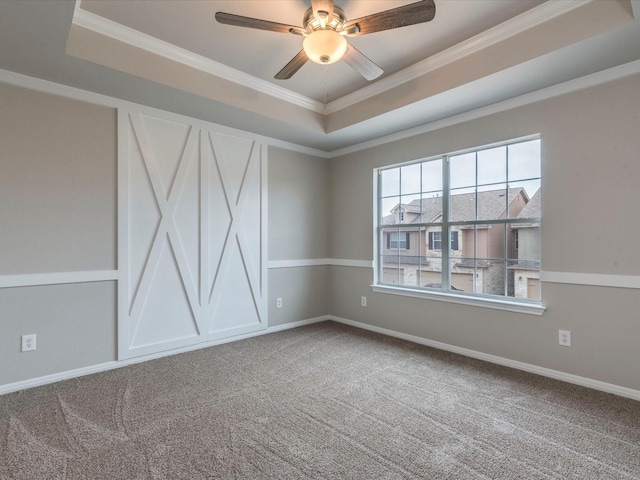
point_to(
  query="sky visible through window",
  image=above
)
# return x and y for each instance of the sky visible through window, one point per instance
(506, 166)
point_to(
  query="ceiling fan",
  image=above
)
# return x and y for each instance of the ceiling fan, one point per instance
(324, 28)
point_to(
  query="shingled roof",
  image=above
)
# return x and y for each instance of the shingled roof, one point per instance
(532, 209)
(491, 205)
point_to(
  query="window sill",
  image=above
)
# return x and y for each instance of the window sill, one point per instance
(497, 304)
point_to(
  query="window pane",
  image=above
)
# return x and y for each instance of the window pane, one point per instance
(492, 166)
(431, 275)
(526, 280)
(411, 208)
(462, 205)
(434, 241)
(389, 210)
(463, 273)
(391, 241)
(432, 207)
(530, 205)
(432, 176)
(390, 270)
(495, 281)
(492, 204)
(410, 179)
(462, 170)
(524, 160)
(496, 238)
(409, 256)
(466, 243)
(390, 182)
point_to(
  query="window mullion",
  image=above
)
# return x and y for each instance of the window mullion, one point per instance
(445, 235)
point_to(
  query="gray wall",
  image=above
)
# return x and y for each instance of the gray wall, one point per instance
(57, 214)
(298, 230)
(591, 193)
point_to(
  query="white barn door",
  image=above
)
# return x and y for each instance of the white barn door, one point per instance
(192, 234)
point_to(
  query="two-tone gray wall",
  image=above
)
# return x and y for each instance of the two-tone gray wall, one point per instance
(58, 215)
(59, 234)
(590, 229)
(298, 230)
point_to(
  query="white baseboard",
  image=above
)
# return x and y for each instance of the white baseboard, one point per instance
(545, 372)
(102, 367)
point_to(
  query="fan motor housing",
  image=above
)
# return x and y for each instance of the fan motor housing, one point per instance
(311, 23)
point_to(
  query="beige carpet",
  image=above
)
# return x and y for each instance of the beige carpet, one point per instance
(324, 401)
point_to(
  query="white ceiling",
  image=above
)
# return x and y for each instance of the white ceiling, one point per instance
(172, 54)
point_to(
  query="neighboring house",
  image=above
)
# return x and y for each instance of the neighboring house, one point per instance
(412, 255)
(526, 237)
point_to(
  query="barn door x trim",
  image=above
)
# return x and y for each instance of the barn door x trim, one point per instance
(192, 250)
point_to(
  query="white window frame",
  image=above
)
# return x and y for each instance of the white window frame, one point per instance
(446, 293)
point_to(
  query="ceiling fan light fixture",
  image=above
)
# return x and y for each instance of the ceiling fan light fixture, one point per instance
(324, 46)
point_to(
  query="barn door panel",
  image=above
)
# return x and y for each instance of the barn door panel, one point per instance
(191, 240)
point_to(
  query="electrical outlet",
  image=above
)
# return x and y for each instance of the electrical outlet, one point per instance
(279, 302)
(28, 342)
(363, 301)
(564, 338)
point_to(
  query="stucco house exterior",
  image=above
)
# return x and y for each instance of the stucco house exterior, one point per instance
(480, 254)
(526, 271)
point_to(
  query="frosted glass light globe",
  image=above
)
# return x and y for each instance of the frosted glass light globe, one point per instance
(324, 46)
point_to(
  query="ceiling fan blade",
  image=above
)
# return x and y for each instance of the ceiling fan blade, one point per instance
(248, 22)
(292, 67)
(418, 12)
(323, 11)
(361, 63)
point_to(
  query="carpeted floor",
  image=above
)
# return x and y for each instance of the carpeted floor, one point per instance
(319, 402)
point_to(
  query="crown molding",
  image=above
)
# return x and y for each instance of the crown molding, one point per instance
(581, 83)
(130, 36)
(527, 20)
(532, 18)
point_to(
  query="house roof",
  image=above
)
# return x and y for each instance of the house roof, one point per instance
(491, 205)
(532, 209)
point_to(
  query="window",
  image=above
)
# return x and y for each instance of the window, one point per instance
(435, 241)
(397, 240)
(486, 201)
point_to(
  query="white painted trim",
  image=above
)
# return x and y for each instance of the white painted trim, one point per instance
(342, 262)
(496, 304)
(57, 278)
(588, 81)
(582, 83)
(302, 262)
(102, 367)
(45, 86)
(316, 262)
(529, 19)
(594, 279)
(526, 367)
(130, 36)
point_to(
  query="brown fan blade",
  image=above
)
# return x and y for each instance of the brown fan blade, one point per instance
(411, 14)
(361, 63)
(292, 67)
(248, 22)
(323, 11)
